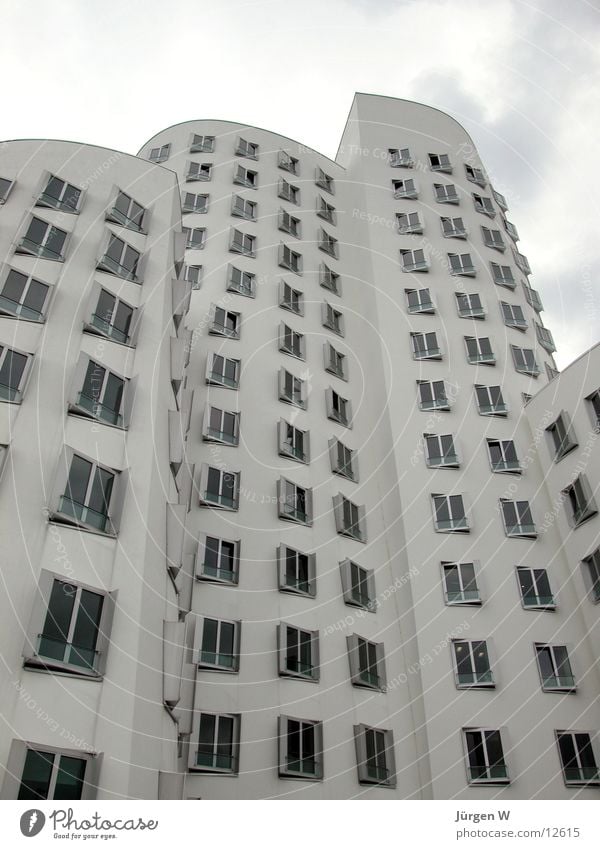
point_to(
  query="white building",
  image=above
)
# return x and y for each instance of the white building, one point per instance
(299, 515)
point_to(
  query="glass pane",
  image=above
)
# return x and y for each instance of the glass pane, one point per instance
(211, 555)
(36, 296)
(14, 285)
(113, 393)
(105, 305)
(85, 633)
(12, 369)
(69, 779)
(209, 636)
(122, 318)
(79, 476)
(55, 241)
(92, 383)
(58, 620)
(99, 498)
(37, 771)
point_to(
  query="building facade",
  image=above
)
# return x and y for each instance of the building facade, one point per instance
(286, 533)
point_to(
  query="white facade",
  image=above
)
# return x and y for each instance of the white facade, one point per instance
(304, 606)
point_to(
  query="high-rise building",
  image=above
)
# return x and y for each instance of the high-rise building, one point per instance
(280, 519)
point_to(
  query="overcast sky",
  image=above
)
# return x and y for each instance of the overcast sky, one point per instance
(522, 77)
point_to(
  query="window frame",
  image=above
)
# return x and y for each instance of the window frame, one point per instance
(360, 740)
(45, 201)
(502, 777)
(330, 405)
(210, 435)
(234, 744)
(562, 436)
(20, 307)
(580, 502)
(297, 516)
(13, 779)
(283, 396)
(201, 663)
(237, 286)
(449, 460)
(217, 578)
(357, 529)
(285, 450)
(351, 591)
(310, 591)
(475, 600)
(521, 530)
(459, 524)
(314, 672)
(581, 780)
(39, 249)
(362, 677)
(503, 466)
(203, 492)
(342, 469)
(540, 602)
(291, 342)
(297, 295)
(499, 409)
(284, 772)
(212, 377)
(568, 685)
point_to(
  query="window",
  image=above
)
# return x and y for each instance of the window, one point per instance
(194, 203)
(484, 205)
(294, 502)
(577, 757)
(440, 451)
(300, 748)
(245, 177)
(289, 223)
(101, 395)
(594, 406)
(223, 371)
(592, 574)
(475, 175)
(532, 297)
(479, 350)
(446, 193)
(328, 244)
(24, 296)
(219, 488)
(555, 668)
(293, 442)
(432, 395)
(58, 194)
(503, 275)
(493, 239)
(202, 144)
(330, 279)
(243, 208)
(88, 495)
(220, 560)
(521, 261)
(375, 756)
(298, 652)
(195, 237)
(324, 181)
(524, 360)
(405, 189)
(414, 260)
(159, 154)
(409, 222)
(472, 664)
(503, 455)
(461, 264)
(400, 157)
(453, 228)
(291, 342)
(326, 211)
(292, 260)
(511, 230)
(5, 189)
(490, 401)
(500, 200)
(485, 756)
(246, 148)
(513, 315)
(358, 586)
(242, 243)
(297, 571)
(518, 521)
(440, 162)
(112, 317)
(288, 192)
(469, 305)
(292, 389)
(198, 171)
(338, 409)
(218, 743)
(219, 646)
(221, 426)
(562, 435)
(291, 299)
(193, 274)
(535, 589)
(450, 516)
(127, 212)
(224, 322)
(551, 371)
(419, 301)
(43, 240)
(332, 319)
(335, 362)
(460, 584)
(120, 259)
(544, 337)
(343, 460)
(287, 162)
(241, 282)
(425, 346)
(367, 663)
(580, 500)
(70, 627)
(14, 368)
(55, 774)
(350, 520)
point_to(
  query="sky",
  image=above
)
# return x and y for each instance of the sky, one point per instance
(522, 77)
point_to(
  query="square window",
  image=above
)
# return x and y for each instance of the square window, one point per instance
(223, 371)
(127, 212)
(446, 193)
(440, 452)
(406, 189)
(287, 162)
(241, 282)
(343, 460)
(194, 203)
(469, 305)
(432, 395)
(358, 586)
(419, 301)
(294, 502)
(44, 240)
(453, 228)
(202, 144)
(218, 747)
(300, 748)
(449, 514)
(297, 571)
(367, 663)
(534, 587)
(243, 208)
(375, 756)
(287, 191)
(121, 259)
(293, 442)
(291, 299)
(58, 194)
(292, 389)
(221, 426)
(291, 342)
(339, 409)
(246, 148)
(577, 758)
(562, 435)
(440, 162)
(490, 401)
(159, 154)
(290, 259)
(198, 171)
(472, 664)
(425, 346)
(330, 279)
(219, 560)
(219, 488)
(24, 296)
(245, 177)
(460, 583)
(218, 644)
(414, 260)
(324, 181)
(580, 500)
(485, 756)
(461, 265)
(242, 243)
(555, 668)
(409, 223)
(350, 518)
(518, 521)
(503, 456)
(298, 652)
(400, 157)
